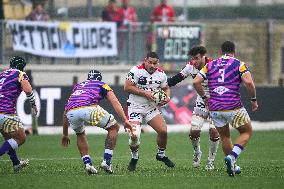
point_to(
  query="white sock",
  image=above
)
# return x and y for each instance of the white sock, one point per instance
(108, 151)
(135, 155)
(13, 143)
(161, 152)
(213, 146)
(196, 145)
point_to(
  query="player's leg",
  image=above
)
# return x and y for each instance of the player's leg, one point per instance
(199, 117)
(75, 118)
(241, 121)
(222, 125)
(14, 135)
(110, 143)
(227, 148)
(194, 135)
(157, 122)
(225, 137)
(135, 118)
(213, 146)
(101, 118)
(134, 143)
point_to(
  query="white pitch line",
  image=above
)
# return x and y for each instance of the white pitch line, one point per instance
(256, 125)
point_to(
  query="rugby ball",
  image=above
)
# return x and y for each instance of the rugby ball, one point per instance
(160, 96)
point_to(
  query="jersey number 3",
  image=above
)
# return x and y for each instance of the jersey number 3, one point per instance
(222, 75)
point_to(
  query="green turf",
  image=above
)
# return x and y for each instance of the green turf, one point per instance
(51, 166)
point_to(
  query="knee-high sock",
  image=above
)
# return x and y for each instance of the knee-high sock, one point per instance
(8, 144)
(13, 157)
(213, 146)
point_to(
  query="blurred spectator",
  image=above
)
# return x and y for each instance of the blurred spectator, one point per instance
(38, 13)
(113, 13)
(163, 13)
(129, 13)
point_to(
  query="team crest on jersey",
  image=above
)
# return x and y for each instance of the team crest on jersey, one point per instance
(221, 90)
(142, 80)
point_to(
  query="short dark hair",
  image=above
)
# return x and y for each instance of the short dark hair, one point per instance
(228, 47)
(197, 50)
(18, 63)
(152, 55)
(95, 75)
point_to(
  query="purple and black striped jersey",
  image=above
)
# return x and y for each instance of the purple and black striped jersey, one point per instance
(10, 89)
(87, 93)
(224, 79)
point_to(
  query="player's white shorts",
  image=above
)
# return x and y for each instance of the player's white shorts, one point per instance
(200, 115)
(199, 108)
(90, 115)
(236, 117)
(136, 112)
(10, 123)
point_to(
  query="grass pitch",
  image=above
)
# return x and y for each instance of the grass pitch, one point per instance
(51, 166)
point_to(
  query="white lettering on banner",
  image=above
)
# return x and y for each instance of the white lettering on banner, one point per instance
(186, 32)
(64, 39)
(50, 94)
(24, 117)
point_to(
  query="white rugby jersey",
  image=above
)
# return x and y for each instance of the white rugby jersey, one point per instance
(190, 70)
(146, 81)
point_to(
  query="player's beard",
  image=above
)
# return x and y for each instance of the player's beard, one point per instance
(151, 70)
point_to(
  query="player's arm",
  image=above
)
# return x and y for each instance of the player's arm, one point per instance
(65, 138)
(27, 88)
(249, 84)
(111, 97)
(197, 84)
(172, 81)
(131, 87)
(184, 73)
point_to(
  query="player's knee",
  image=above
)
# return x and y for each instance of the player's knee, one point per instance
(214, 135)
(21, 137)
(197, 123)
(194, 134)
(134, 141)
(114, 128)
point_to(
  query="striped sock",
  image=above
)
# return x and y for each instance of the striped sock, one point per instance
(237, 149)
(107, 156)
(134, 154)
(161, 152)
(87, 159)
(5, 148)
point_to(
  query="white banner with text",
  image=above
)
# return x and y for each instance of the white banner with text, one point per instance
(64, 39)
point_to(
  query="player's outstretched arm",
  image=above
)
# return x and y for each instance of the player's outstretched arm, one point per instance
(130, 87)
(172, 81)
(65, 138)
(27, 88)
(249, 84)
(111, 97)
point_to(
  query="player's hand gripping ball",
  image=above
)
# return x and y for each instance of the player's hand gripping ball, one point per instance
(160, 96)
